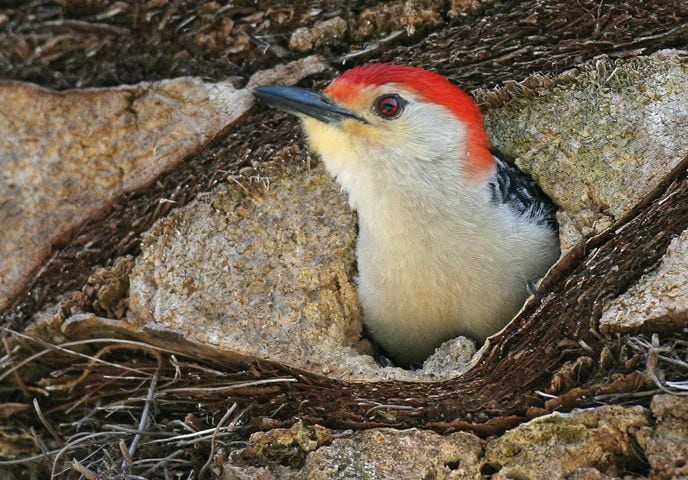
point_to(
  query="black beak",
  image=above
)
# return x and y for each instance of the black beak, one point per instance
(306, 102)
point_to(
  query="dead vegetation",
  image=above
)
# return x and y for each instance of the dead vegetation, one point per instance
(80, 43)
(99, 408)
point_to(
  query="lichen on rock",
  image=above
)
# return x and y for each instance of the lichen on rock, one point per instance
(558, 445)
(666, 445)
(382, 453)
(451, 358)
(598, 138)
(588, 444)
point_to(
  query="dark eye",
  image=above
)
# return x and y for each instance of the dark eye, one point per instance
(389, 106)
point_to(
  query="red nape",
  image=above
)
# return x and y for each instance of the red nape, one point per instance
(434, 88)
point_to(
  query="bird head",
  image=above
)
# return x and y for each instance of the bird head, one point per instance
(381, 124)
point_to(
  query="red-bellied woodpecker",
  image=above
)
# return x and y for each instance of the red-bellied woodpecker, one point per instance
(449, 234)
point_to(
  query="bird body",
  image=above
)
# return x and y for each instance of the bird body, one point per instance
(449, 235)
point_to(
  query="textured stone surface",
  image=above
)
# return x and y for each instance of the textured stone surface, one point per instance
(66, 155)
(591, 444)
(599, 138)
(659, 301)
(384, 454)
(263, 267)
(392, 454)
(590, 474)
(283, 446)
(666, 445)
(559, 445)
(451, 358)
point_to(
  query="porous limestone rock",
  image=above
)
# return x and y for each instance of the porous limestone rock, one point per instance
(591, 444)
(589, 474)
(67, 155)
(382, 453)
(263, 267)
(666, 445)
(598, 138)
(659, 301)
(559, 445)
(389, 454)
(451, 358)
(286, 447)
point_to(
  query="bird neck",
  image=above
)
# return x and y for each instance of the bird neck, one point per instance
(419, 209)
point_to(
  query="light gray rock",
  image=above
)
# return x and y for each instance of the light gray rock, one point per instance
(393, 454)
(666, 445)
(451, 358)
(559, 445)
(264, 267)
(381, 453)
(659, 301)
(598, 138)
(67, 155)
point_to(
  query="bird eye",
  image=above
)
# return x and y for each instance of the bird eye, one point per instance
(389, 106)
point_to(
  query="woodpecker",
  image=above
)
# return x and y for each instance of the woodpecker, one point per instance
(450, 234)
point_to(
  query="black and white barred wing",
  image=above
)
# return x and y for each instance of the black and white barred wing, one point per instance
(520, 192)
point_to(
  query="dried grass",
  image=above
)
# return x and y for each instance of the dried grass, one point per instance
(109, 408)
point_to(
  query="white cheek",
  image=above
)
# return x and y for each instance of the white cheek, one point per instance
(418, 152)
(422, 150)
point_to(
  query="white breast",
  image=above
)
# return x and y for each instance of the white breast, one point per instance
(426, 276)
